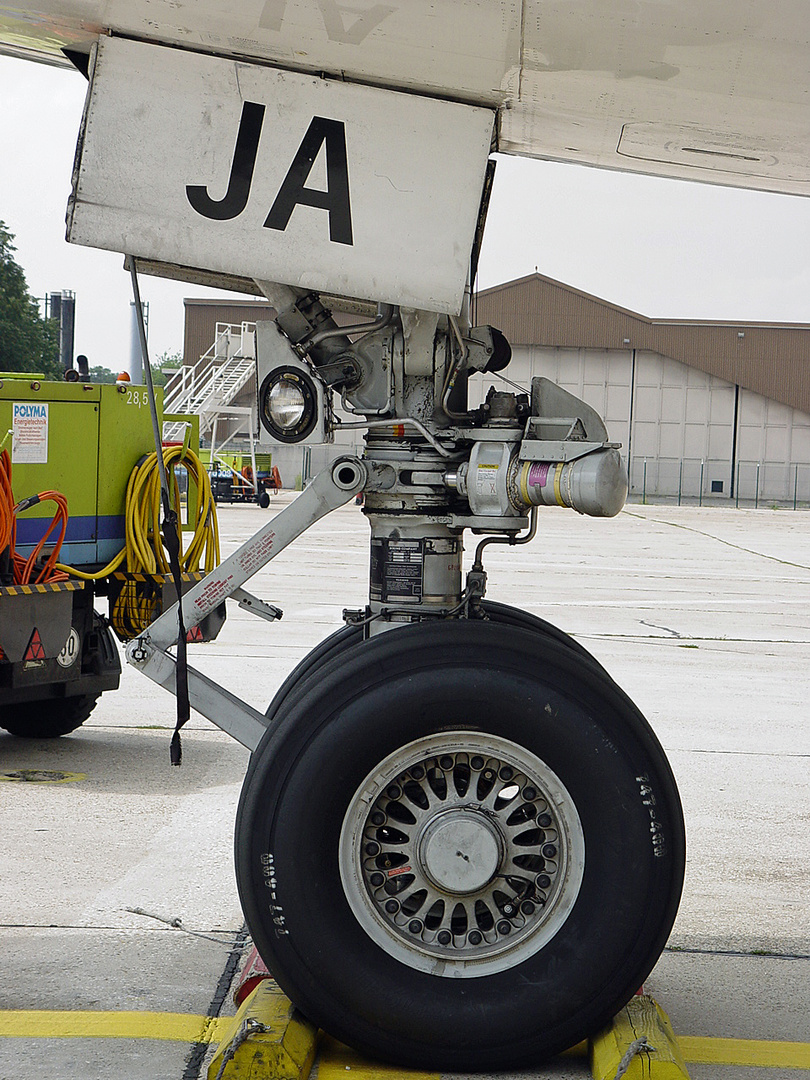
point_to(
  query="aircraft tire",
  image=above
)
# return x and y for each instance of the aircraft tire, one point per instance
(349, 636)
(474, 739)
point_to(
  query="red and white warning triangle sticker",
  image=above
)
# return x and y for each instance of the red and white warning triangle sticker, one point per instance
(35, 651)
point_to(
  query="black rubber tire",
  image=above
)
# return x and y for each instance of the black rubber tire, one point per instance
(507, 615)
(338, 642)
(347, 637)
(48, 719)
(367, 703)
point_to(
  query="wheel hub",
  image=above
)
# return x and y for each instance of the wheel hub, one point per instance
(460, 851)
(461, 854)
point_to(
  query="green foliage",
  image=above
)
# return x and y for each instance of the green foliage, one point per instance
(169, 360)
(165, 366)
(27, 341)
(102, 375)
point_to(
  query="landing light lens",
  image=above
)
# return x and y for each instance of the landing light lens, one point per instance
(285, 404)
(289, 404)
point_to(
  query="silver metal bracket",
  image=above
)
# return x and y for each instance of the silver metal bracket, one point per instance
(559, 450)
(257, 607)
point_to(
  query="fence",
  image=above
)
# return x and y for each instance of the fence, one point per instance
(754, 483)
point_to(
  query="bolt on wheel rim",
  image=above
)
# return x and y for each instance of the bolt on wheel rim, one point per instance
(462, 854)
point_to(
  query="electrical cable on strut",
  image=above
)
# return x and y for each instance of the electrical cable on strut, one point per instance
(171, 531)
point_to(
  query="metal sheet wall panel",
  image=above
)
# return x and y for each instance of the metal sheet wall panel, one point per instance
(770, 359)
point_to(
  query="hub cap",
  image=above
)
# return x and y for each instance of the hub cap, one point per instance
(459, 851)
(462, 854)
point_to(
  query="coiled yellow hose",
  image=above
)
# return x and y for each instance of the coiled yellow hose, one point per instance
(143, 547)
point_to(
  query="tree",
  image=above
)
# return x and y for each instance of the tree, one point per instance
(27, 341)
(102, 375)
(165, 366)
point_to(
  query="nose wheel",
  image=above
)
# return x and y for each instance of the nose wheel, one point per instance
(459, 845)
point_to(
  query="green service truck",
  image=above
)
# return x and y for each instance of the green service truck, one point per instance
(81, 440)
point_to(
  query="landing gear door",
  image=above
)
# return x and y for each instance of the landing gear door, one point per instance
(198, 161)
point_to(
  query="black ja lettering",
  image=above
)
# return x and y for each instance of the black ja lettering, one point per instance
(244, 161)
(335, 200)
(293, 191)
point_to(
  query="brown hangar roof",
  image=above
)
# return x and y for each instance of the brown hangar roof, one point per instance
(769, 358)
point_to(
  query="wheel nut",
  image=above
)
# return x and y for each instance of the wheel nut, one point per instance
(415, 926)
(373, 848)
(504, 927)
(393, 792)
(544, 821)
(475, 937)
(446, 762)
(392, 906)
(377, 818)
(417, 772)
(549, 850)
(444, 937)
(506, 773)
(527, 907)
(377, 880)
(542, 881)
(530, 794)
(477, 763)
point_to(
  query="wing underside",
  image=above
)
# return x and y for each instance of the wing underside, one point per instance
(699, 89)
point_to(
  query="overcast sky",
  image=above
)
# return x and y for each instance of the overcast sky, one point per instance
(664, 248)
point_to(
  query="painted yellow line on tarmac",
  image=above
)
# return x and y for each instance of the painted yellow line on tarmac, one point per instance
(699, 1050)
(171, 1027)
(336, 1059)
(188, 1027)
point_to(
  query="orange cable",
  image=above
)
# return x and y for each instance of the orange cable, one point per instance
(23, 568)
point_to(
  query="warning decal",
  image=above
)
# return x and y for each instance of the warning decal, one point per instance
(35, 651)
(29, 439)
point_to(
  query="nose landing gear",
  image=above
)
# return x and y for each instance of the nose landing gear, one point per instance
(459, 845)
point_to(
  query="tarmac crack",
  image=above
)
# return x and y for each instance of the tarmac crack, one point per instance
(656, 626)
(199, 1049)
(711, 536)
(757, 954)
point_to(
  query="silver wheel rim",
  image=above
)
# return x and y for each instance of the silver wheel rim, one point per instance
(462, 854)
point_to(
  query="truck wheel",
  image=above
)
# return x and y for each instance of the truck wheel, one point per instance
(460, 847)
(48, 719)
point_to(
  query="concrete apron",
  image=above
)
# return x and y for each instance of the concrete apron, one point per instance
(701, 616)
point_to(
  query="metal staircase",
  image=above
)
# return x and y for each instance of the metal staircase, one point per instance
(208, 388)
